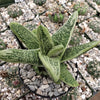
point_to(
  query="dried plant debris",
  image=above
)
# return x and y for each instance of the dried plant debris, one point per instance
(4, 74)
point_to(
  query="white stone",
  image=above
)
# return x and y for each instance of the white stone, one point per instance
(30, 74)
(0, 78)
(50, 94)
(69, 4)
(59, 90)
(66, 89)
(44, 81)
(83, 96)
(43, 87)
(39, 92)
(5, 89)
(33, 79)
(62, 1)
(26, 81)
(32, 87)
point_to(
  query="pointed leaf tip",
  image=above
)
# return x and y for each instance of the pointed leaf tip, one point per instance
(45, 41)
(73, 52)
(67, 77)
(24, 35)
(52, 66)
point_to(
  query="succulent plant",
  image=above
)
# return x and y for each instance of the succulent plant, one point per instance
(97, 1)
(95, 26)
(93, 69)
(2, 45)
(81, 7)
(56, 14)
(13, 79)
(45, 51)
(56, 17)
(14, 11)
(39, 2)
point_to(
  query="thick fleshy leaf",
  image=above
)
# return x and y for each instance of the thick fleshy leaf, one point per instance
(56, 51)
(34, 31)
(20, 56)
(63, 35)
(73, 52)
(52, 66)
(67, 77)
(45, 40)
(2, 45)
(24, 35)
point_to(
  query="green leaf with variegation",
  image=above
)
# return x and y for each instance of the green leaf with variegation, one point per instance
(56, 51)
(73, 52)
(67, 77)
(20, 56)
(63, 35)
(45, 41)
(52, 65)
(24, 35)
(34, 31)
(46, 51)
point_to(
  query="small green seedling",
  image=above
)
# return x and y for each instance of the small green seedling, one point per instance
(81, 7)
(56, 17)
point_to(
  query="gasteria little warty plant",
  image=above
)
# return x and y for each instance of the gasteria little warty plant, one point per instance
(49, 51)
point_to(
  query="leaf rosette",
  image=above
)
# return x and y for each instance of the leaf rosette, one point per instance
(49, 51)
